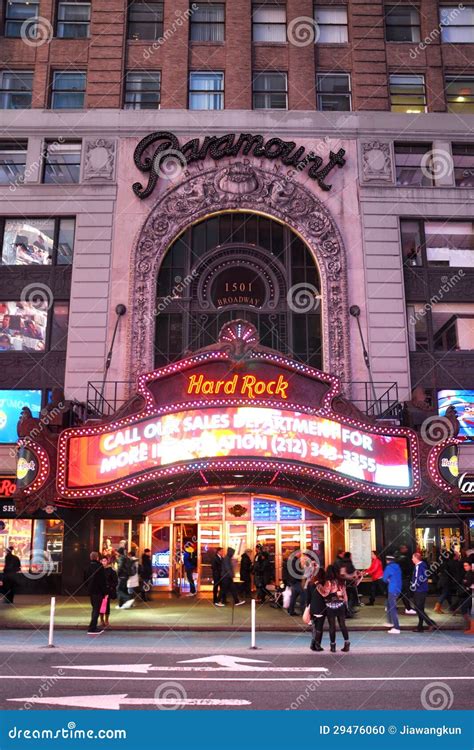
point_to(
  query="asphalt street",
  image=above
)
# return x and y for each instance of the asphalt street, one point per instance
(118, 671)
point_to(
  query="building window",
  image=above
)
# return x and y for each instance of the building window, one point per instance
(413, 165)
(206, 90)
(334, 92)
(269, 23)
(12, 162)
(73, 19)
(331, 23)
(207, 22)
(17, 13)
(457, 24)
(40, 242)
(270, 91)
(402, 23)
(453, 327)
(142, 90)
(407, 93)
(62, 162)
(460, 94)
(145, 20)
(16, 88)
(410, 231)
(438, 243)
(463, 160)
(68, 90)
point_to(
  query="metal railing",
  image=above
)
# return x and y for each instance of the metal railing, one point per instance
(105, 400)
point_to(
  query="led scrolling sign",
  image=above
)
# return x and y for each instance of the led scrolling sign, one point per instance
(214, 417)
(166, 145)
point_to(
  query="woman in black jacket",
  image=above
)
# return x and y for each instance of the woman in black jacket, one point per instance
(317, 609)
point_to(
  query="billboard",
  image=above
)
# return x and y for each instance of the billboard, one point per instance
(463, 402)
(11, 404)
(109, 458)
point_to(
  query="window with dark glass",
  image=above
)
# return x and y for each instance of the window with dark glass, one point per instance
(411, 236)
(257, 264)
(407, 93)
(270, 91)
(268, 23)
(68, 90)
(457, 24)
(402, 23)
(413, 164)
(29, 241)
(73, 20)
(207, 22)
(17, 15)
(463, 161)
(145, 20)
(443, 242)
(12, 162)
(331, 24)
(62, 162)
(333, 92)
(206, 90)
(59, 327)
(142, 89)
(16, 89)
(460, 94)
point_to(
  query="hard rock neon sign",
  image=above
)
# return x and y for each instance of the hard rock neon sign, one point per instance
(248, 386)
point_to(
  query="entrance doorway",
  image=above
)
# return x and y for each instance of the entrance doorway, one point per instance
(240, 522)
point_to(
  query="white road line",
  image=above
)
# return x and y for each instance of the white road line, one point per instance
(247, 679)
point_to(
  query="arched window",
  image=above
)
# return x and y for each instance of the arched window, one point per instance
(238, 265)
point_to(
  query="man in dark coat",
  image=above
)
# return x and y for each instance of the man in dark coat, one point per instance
(246, 572)
(228, 585)
(216, 566)
(96, 582)
(11, 570)
(403, 559)
(146, 572)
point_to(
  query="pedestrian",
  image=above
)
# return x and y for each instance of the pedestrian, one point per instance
(339, 562)
(419, 587)
(293, 579)
(262, 573)
(133, 581)
(11, 571)
(348, 571)
(112, 582)
(124, 571)
(403, 559)
(228, 585)
(97, 589)
(246, 573)
(216, 566)
(465, 598)
(190, 565)
(392, 576)
(446, 585)
(146, 574)
(375, 571)
(317, 608)
(335, 596)
(456, 573)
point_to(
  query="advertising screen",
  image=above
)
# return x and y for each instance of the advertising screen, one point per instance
(22, 327)
(11, 404)
(463, 402)
(95, 460)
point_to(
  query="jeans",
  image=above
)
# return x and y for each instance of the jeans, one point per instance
(122, 592)
(317, 629)
(419, 598)
(406, 594)
(189, 576)
(216, 591)
(392, 610)
(96, 601)
(446, 595)
(297, 590)
(338, 614)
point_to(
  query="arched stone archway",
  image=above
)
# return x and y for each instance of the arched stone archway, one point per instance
(241, 186)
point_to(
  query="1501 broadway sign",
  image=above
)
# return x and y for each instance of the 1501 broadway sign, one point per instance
(95, 461)
(166, 146)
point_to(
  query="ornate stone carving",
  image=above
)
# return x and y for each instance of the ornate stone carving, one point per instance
(99, 160)
(376, 160)
(255, 189)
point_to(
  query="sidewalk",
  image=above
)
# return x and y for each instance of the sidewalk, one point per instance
(166, 612)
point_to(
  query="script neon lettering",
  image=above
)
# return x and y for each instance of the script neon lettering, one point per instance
(246, 385)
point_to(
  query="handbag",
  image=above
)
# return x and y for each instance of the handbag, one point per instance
(103, 606)
(307, 615)
(286, 597)
(133, 581)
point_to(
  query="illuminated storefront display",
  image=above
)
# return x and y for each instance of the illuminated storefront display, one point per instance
(11, 404)
(463, 402)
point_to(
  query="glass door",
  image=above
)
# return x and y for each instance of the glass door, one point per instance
(210, 538)
(177, 559)
(266, 536)
(160, 555)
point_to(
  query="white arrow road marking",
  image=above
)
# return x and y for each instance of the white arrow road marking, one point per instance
(235, 662)
(113, 702)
